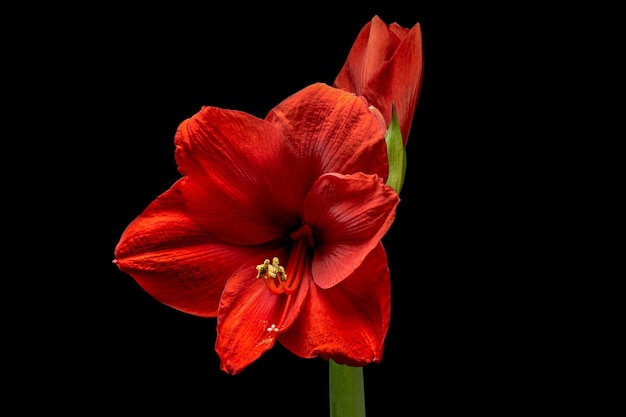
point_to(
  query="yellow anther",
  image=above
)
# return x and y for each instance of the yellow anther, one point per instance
(262, 269)
(278, 269)
(267, 270)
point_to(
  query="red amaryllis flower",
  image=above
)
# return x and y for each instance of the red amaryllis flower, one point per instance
(385, 66)
(275, 228)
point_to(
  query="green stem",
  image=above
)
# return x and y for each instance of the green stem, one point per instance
(347, 395)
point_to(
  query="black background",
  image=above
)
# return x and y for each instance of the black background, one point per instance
(114, 84)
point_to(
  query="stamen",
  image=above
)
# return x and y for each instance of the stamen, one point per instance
(262, 269)
(296, 263)
(278, 269)
(267, 270)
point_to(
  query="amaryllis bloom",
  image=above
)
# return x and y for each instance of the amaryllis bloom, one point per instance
(275, 228)
(385, 66)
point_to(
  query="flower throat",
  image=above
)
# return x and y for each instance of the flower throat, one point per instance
(281, 280)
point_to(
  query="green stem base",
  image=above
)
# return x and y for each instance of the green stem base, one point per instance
(346, 391)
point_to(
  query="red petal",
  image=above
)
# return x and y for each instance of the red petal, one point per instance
(374, 54)
(242, 185)
(349, 215)
(332, 131)
(347, 323)
(174, 260)
(399, 81)
(246, 312)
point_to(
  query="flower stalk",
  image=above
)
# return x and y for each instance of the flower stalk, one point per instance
(346, 391)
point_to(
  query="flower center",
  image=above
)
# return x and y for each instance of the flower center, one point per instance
(285, 280)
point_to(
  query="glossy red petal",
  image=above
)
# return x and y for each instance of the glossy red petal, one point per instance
(349, 215)
(399, 81)
(347, 323)
(247, 312)
(242, 183)
(331, 130)
(174, 260)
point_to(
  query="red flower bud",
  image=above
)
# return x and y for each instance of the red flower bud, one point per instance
(385, 65)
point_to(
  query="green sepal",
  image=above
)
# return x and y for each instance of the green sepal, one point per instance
(395, 153)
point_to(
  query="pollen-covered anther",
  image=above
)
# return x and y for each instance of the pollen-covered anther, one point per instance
(272, 328)
(262, 270)
(271, 270)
